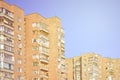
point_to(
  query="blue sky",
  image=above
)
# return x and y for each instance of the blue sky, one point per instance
(90, 25)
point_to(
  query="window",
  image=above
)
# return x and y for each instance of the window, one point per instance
(19, 20)
(35, 63)
(35, 56)
(36, 79)
(19, 36)
(19, 78)
(6, 65)
(35, 48)
(19, 52)
(19, 69)
(19, 45)
(1, 10)
(36, 72)
(19, 28)
(1, 46)
(19, 61)
(8, 48)
(34, 24)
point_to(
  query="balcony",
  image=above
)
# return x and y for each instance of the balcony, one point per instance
(43, 60)
(62, 45)
(63, 56)
(6, 16)
(44, 53)
(6, 34)
(20, 46)
(63, 71)
(6, 21)
(8, 78)
(8, 61)
(44, 30)
(62, 41)
(62, 49)
(6, 25)
(7, 43)
(44, 76)
(43, 68)
(6, 70)
(6, 52)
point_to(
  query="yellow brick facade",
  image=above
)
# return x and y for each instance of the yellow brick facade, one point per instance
(36, 46)
(91, 66)
(32, 48)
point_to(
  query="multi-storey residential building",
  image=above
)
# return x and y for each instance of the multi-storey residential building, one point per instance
(111, 69)
(38, 50)
(69, 63)
(45, 51)
(10, 23)
(57, 59)
(91, 66)
(31, 47)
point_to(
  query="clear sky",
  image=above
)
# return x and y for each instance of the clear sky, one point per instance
(90, 25)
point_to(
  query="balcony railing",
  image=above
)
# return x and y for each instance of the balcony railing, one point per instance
(7, 43)
(8, 61)
(62, 41)
(6, 16)
(6, 52)
(4, 33)
(63, 71)
(44, 76)
(62, 48)
(44, 68)
(43, 29)
(7, 70)
(43, 60)
(63, 56)
(44, 53)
